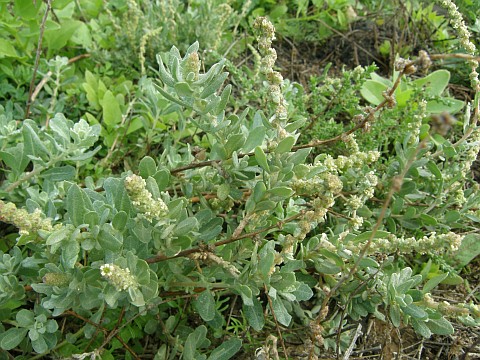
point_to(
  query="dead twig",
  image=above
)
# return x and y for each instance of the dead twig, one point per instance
(270, 304)
(37, 57)
(47, 76)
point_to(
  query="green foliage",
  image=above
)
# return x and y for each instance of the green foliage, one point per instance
(431, 87)
(308, 20)
(204, 215)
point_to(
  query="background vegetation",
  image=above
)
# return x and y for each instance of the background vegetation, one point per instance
(239, 179)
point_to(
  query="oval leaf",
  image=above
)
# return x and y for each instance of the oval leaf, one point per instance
(205, 305)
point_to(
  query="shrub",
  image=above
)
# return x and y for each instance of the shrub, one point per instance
(231, 227)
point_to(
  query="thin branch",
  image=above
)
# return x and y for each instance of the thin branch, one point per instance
(37, 57)
(115, 141)
(197, 165)
(454, 56)
(270, 304)
(188, 252)
(349, 351)
(113, 333)
(47, 76)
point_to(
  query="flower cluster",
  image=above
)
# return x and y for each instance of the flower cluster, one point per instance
(431, 244)
(142, 199)
(27, 223)
(423, 61)
(473, 148)
(212, 258)
(265, 36)
(445, 307)
(192, 65)
(458, 24)
(404, 65)
(56, 279)
(143, 46)
(415, 125)
(320, 184)
(343, 163)
(118, 277)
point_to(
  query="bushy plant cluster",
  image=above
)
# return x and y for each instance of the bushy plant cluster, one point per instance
(173, 215)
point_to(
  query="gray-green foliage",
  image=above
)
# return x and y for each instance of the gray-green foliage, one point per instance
(251, 219)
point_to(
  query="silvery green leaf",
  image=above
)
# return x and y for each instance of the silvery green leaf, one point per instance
(255, 138)
(84, 155)
(119, 221)
(192, 49)
(117, 195)
(193, 342)
(267, 258)
(108, 241)
(12, 337)
(183, 89)
(205, 305)
(210, 103)
(61, 127)
(176, 70)
(162, 177)
(281, 313)
(234, 142)
(259, 191)
(246, 294)
(223, 190)
(303, 292)
(25, 318)
(185, 226)
(166, 78)
(15, 158)
(226, 350)
(61, 173)
(261, 159)
(85, 135)
(58, 235)
(299, 156)
(136, 297)
(223, 99)
(284, 282)
(421, 328)
(51, 326)
(152, 187)
(170, 97)
(147, 167)
(440, 326)
(78, 204)
(433, 282)
(70, 252)
(327, 266)
(295, 125)
(39, 345)
(174, 54)
(214, 85)
(285, 145)
(415, 312)
(279, 193)
(254, 314)
(394, 313)
(211, 73)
